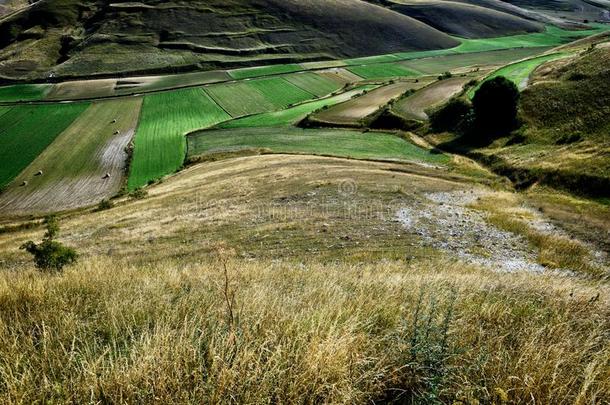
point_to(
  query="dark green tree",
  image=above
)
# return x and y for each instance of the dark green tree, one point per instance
(495, 106)
(50, 255)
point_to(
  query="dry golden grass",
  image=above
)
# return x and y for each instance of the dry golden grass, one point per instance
(322, 304)
(429, 331)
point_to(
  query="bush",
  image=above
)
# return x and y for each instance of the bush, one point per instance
(495, 106)
(138, 194)
(50, 255)
(105, 205)
(451, 116)
(446, 75)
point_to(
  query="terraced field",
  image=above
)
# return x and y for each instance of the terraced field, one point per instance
(160, 145)
(415, 106)
(291, 115)
(25, 131)
(383, 70)
(316, 84)
(340, 143)
(85, 163)
(351, 112)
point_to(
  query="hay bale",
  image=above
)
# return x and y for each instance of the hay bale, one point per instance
(117, 132)
(39, 173)
(25, 183)
(106, 176)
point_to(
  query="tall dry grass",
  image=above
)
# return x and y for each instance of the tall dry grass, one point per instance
(107, 331)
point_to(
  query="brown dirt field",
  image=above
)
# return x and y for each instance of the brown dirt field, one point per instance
(352, 111)
(415, 106)
(75, 164)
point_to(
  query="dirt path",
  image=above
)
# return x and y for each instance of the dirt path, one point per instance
(85, 164)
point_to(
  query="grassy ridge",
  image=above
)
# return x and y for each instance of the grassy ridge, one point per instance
(291, 115)
(317, 142)
(160, 139)
(25, 131)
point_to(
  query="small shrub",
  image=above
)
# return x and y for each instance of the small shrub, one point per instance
(105, 205)
(138, 194)
(49, 255)
(446, 75)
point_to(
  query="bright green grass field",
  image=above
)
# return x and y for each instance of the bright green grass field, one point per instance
(383, 70)
(25, 131)
(24, 92)
(340, 143)
(519, 72)
(160, 144)
(264, 71)
(292, 115)
(313, 83)
(257, 96)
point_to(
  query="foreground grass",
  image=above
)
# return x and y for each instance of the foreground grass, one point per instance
(429, 331)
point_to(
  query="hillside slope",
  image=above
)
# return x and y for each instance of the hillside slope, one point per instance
(72, 38)
(466, 20)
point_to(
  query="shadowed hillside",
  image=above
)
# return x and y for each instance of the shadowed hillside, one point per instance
(466, 20)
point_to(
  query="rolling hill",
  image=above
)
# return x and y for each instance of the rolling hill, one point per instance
(72, 38)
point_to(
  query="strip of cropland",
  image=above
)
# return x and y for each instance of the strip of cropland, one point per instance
(257, 96)
(351, 112)
(447, 63)
(519, 72)
(383, 70)
(415, 106)
(248, 73)
(316, 84)
(26, 130)
(23, 92)
(292, 115)
(339, 143)
(85, 163)
(160, 145)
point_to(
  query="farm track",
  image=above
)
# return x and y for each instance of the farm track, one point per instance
(85, 164)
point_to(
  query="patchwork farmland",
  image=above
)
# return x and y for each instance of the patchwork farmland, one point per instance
(83, 165)
(160, 144)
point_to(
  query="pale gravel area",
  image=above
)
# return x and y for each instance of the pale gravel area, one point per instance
(445, 221)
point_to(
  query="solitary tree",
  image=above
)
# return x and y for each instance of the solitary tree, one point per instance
(495, 107)
(50, 255)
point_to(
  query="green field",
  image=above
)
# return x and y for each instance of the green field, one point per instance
(23, 92)
(338, 143)
(248, 73)
(257, 96)
(313, 83)
(165, 119)
(292, 115)
(25, 131)
(440, 64)
(383, 70)
(519, 72)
